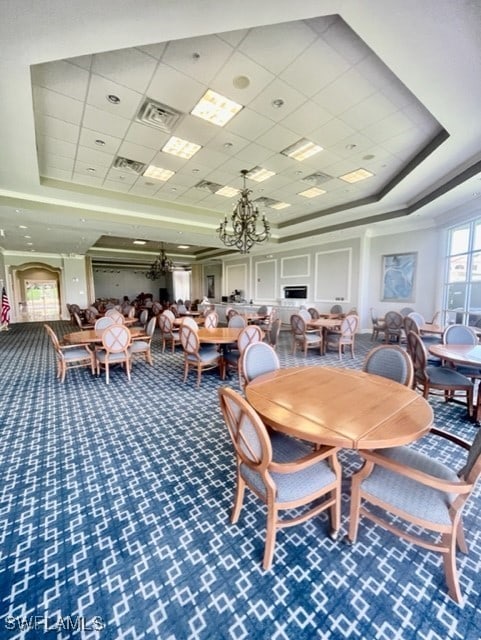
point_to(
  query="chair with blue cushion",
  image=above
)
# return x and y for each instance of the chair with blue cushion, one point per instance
(250, 334)
(256, 359)
(167, 331)
(463, 334)
(429, 377)
(303, 338)
(418, 490)
(196, 358)
(281, 471)
(115, 349)
(70, 356)
(143, 344)
(390, 361)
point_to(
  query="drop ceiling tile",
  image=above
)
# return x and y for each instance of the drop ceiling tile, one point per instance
(345, 41)
(62, 77)
(237, 66)
(88, 139)
(54, 146)
(343, 148)
(93, 157)
(234, 38)
(280, 163)
(315, 68)
(306, 118)
(105, 122)
(84, 62)
(369, 111)
(175, 89)
(57, 174)
(87, 179)
(267, 45)
(276, 90)
(145, 189)
(128, 67)
(146, 136)
(81, 168)
(100, 88)
(195, 130)
(121, 187)
(344, 92)
(332, 132)
(55, 128)
(117, 176)
(136, 152)
(57, 105)
(388, 127)
(168, 161)
(249, 124)
(254, 154)
(227, 142)
(154, 50)
(57, 162)
(199, 58)
(208, 158)
(404, 145)
(278, 138)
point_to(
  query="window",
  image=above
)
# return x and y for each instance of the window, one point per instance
(462, 287)
(181, 282)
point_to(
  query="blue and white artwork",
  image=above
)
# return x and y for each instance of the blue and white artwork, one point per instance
(398, 277)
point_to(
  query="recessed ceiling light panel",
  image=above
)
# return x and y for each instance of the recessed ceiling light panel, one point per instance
(258, 174)
(216, 108)
(227, 192)
(313, 192)
(181, 148)
(356, 176)
(157, 173)
(302, 149)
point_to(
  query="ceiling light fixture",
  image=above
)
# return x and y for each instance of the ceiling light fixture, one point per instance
(180, 148)
(216, 108)
(113, 98)
(139, 242)
(302, 149)
(244, 232)
(227, 192)
(313, 192)
(161, 265)
(258, 174)
(356, 176)
(157, 173)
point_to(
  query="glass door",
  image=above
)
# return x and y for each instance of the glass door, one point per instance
(42, 300)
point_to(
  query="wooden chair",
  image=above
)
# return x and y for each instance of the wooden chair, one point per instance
(429, 377)
(237, 322)
(143, 344)
(420, 491)
(390, 361)
(70, 356)
(190, 322)
(115, 349)
(314, 313)
(272, 333)
(167, 331)
(336, 308)
(302, 338)
(196, 358)
(103, 323)
(378, 325)
(211, 320)
(344, 336)
(462, 334)
(283, 472)
(256, 359)
(249, 334)
(393, 326)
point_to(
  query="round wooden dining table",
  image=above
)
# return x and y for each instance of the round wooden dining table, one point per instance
(91, 336)
(340, 407)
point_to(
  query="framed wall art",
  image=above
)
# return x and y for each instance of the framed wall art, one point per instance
(398, 277)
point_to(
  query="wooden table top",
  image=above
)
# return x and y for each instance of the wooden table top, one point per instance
(324, 323)
(340, 407)
(219, 335)
(91, 336)
(467, 354)
(431, 328)
(198, 320)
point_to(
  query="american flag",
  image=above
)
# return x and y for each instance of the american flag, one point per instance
(5, 314)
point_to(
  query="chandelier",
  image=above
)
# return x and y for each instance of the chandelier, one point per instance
(244, 232)
(160, 266)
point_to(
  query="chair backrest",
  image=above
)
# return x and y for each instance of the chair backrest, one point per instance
(410, 324)
(352, 312)
(274, 331)
(131, 312)
(314, 313)
(165, 323)
(374, 316)
(77, 319)
(144, 316)
(189, 340)
(111, 311)
(237, 322)
(156, 308)
(305, 315)
(336, 308)
(190, 322)
(53, 337)
(169, 314)
(150, 328)
(211, 320)
(459, 334)
(174, 309)
(256, 359)
(263, 310)
(249, 436)
(405, 311)
(298, 326)
(419, 356)
(103, 323)
(248, 335)
(390, 361)
(472, 466)
(116, 338)
(182, 309)
(349, 326)
(90, 316)
(417, 317)
(393, 320)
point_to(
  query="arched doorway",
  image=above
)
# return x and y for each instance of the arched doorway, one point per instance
(37, 292)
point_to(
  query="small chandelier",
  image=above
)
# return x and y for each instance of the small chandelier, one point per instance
(160, 266)
(244, 224)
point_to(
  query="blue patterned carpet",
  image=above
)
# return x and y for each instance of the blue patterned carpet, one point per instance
(114, 520)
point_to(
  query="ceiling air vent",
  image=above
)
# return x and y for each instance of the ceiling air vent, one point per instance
(158, 115)
(211, 187)
(317, 178)
(130, 166)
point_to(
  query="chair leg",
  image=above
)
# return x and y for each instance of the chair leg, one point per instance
(238, 498)
(270, 536)
(450, 570)
(461, 540)
(354, 509)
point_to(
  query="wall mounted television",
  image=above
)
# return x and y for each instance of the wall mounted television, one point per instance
(299, 292)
